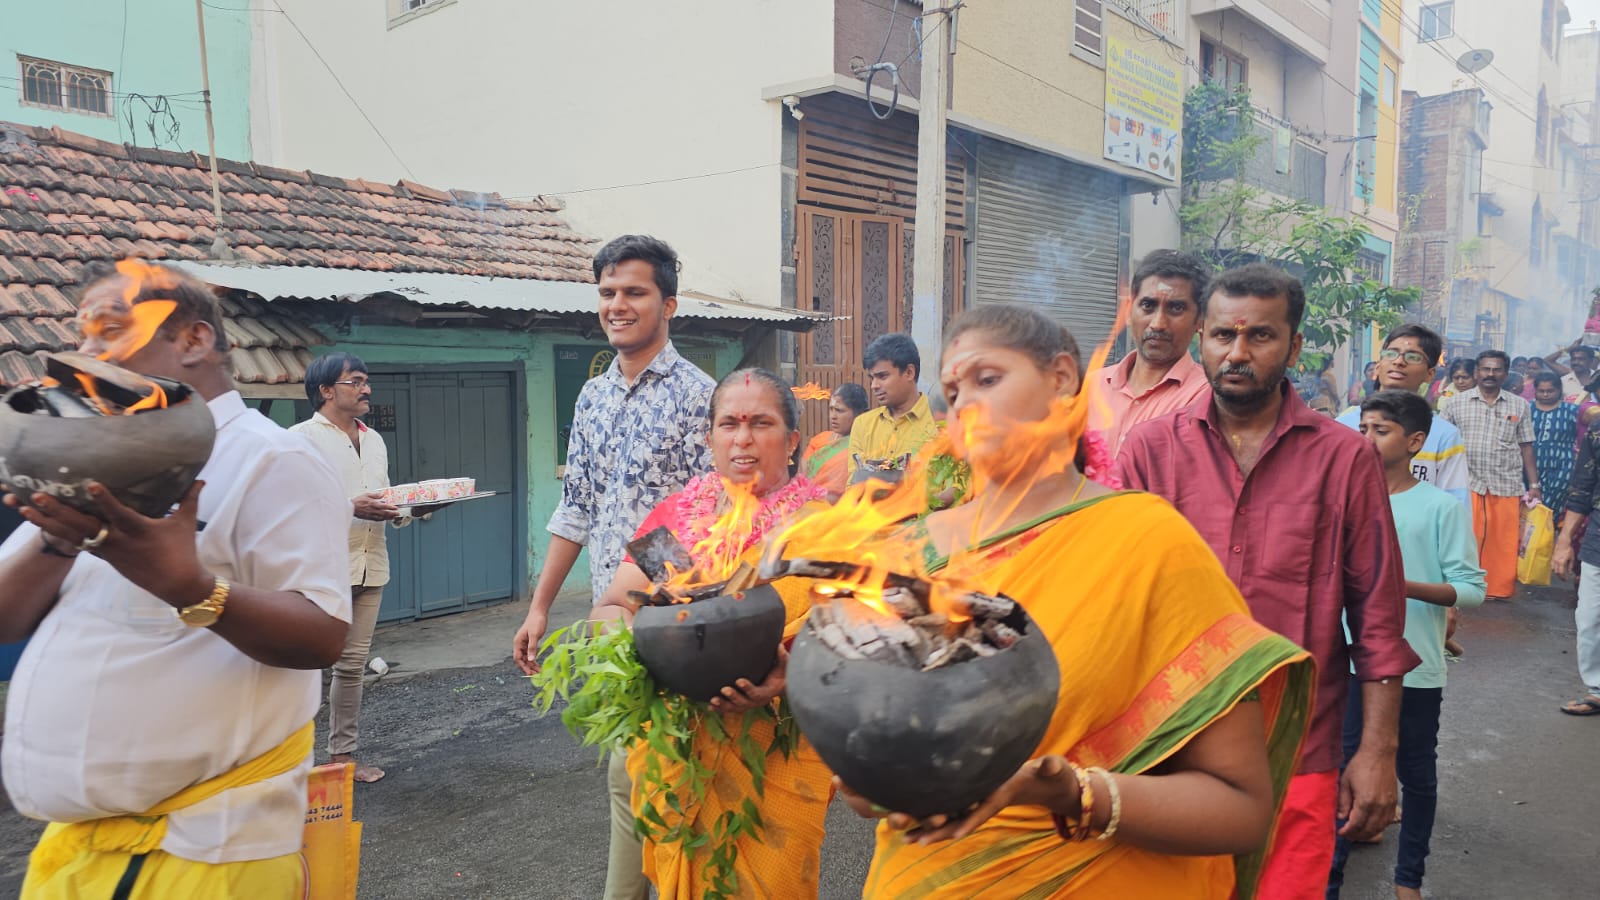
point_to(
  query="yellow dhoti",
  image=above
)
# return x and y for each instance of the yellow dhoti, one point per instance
(91, 859)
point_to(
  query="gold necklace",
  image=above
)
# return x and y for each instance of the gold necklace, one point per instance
(1083, 481)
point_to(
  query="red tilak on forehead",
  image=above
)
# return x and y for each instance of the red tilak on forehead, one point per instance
(747, 379)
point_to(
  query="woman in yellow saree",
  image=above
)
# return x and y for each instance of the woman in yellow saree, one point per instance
(1179, 718)
(754, 421)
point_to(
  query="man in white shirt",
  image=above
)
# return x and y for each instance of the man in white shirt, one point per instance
(339, 391)
(172, 671)
(1576, 377)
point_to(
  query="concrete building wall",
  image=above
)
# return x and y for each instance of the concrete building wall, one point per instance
(1006, 75)
(1439, 244)
(1278, 75)
(1514, 174)
(151, 48)
(641, 117)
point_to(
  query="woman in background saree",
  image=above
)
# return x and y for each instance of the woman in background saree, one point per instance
(1181, 714)
(826, 459)
(754, 433)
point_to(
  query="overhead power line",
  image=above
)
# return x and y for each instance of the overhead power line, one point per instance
(349, 96)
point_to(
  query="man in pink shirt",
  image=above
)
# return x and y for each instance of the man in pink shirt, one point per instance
(1295, 506)
(1158, 377)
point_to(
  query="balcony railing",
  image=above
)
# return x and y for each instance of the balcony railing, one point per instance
(1305, 25)
(1282, 164)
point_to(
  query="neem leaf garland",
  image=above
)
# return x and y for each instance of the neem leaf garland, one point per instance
(611, 701)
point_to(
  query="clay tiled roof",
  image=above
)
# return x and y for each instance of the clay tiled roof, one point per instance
(67, 199)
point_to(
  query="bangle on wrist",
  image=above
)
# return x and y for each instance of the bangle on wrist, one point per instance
(1071, 827)
(1115, 794)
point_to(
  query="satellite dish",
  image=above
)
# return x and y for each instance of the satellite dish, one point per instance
(1475, 60)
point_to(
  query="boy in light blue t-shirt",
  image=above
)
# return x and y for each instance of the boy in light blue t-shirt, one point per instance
(1441, 566)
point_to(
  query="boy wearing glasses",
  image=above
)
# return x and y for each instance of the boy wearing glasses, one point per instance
(1408, 360)
(338, 389)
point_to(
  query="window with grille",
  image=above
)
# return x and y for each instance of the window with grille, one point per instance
(1436, 20)
(54, 85)
(1223, 66)
(1161, 15)
(1536, 235)
(406, 10)
(1541, 128)
(1088, 28)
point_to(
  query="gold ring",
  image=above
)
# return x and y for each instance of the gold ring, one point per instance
(97, 540)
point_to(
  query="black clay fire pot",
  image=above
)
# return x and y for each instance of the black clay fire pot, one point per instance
(924, 742)
(696, 649)
(147, 459)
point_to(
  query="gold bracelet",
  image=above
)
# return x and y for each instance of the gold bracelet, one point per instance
(1116, 804)
(1080, 829)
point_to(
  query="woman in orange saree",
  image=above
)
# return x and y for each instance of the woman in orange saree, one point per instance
(1179, 718)
(753, 436)
(826, 459)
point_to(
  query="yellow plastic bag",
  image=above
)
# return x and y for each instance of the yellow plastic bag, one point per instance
(1537, 544)
(332, 847)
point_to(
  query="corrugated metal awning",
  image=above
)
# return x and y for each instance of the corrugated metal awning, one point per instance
(466, 291)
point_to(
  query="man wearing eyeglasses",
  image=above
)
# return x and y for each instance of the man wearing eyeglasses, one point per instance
(339, 391)
(1408, 360)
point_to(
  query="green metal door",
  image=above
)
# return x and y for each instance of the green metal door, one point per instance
(442, 422)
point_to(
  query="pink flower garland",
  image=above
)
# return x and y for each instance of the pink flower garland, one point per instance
(700, 504)
(1098, 464)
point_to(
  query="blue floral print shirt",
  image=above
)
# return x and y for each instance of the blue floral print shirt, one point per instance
(631, 446)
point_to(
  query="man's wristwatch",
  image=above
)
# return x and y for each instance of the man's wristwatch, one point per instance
(206, 613)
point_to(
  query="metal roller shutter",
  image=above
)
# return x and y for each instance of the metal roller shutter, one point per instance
(1048, 233)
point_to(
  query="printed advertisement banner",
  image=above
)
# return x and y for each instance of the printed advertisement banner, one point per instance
(1144, 108)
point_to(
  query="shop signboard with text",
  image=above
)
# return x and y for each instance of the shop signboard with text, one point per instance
(1144, 108)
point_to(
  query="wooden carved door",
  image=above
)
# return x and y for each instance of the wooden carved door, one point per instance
(850, 270)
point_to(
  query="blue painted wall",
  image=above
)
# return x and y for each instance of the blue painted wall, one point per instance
(1369, 63)
(153, 51)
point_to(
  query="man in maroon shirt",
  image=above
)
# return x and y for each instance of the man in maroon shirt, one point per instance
(1295, 506)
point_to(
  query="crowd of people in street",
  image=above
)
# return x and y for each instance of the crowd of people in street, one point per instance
(1251, 595)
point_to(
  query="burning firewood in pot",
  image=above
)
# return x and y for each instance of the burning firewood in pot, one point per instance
(144, 438)
(697, 637)
(923, 697)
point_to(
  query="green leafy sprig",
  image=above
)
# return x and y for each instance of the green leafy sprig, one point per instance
(611, 700)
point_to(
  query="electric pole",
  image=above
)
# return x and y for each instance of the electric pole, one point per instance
(219, 246)
(927, 284)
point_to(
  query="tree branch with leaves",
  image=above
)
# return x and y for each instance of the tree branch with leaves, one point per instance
(1230, 221)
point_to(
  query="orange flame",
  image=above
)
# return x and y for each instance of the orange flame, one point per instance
(718, 555)
(92, 394)
(863, 527)
(155, 399)
(811, 391)
(128, 329)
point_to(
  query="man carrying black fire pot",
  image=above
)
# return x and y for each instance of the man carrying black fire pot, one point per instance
(161, 716)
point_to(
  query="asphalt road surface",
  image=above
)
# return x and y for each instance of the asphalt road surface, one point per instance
(484, 799)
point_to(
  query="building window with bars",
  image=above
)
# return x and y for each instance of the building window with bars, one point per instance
(1224, 66)
(53, 85)
(1088, 30)
(1436, 21)
(1541, 128)
(1163, 16)
(401, 11)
